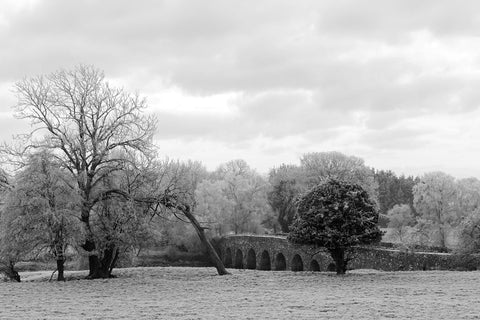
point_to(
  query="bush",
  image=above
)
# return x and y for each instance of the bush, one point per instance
(465, 262)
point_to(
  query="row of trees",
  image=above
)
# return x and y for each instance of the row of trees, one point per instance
(441, 206)
(289, 181)
(88, 180)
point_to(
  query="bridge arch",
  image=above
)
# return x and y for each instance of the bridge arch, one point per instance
(251, 259)
(239, 259)
(228, 258)
(314, 266)
(268, 253)
(297, 263)
(280, 262)
(265, 263)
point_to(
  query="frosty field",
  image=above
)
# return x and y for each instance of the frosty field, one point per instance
(198, 293)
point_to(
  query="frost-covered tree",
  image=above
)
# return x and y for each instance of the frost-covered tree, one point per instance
(173, 189)
(400, 219)
(321, 166)
(469, 236)
(436, 202)
(235, 199)
(468, 196)
(469, 209)
(85, 123)
(213, 206)
(39, 213)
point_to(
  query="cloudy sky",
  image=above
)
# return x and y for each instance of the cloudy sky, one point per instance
(396, 83)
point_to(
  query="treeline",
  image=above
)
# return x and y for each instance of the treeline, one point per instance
(41, 214)
(88, 182)
(434, 209)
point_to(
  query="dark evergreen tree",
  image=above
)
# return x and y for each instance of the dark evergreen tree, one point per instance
(393, 190)
(336, 215)
(286, 185)
(282, 200)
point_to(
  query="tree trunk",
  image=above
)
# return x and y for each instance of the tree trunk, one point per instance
(338, 255)
(108, 261)
(282, 221)
(60, 257)
(98, 268)
(10, 272)
(210, 249)
(93, 261)
(60, 261)
(114, 262)
(60, 269)
(89, 245)
(441, 231)
(102, 268)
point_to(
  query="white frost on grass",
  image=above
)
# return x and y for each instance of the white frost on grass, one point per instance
(198, 293)
(36, 276)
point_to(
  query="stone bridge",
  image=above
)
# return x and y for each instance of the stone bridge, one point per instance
(270, 253)
(276, 253)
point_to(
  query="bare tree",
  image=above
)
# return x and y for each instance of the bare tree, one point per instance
(169, 188)
(435, 198)
(321, 166)
(87, 124)
(175, 191)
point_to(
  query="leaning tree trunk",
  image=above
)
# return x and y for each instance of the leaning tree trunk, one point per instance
(210, 249)
(338, 255)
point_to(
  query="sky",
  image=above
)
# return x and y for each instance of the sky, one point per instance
(396, 83)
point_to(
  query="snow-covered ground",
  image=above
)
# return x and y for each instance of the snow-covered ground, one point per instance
(198, 293)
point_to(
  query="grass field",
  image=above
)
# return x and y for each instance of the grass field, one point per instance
(198, 293)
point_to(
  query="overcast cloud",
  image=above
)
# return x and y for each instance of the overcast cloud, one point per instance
(394, 82)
